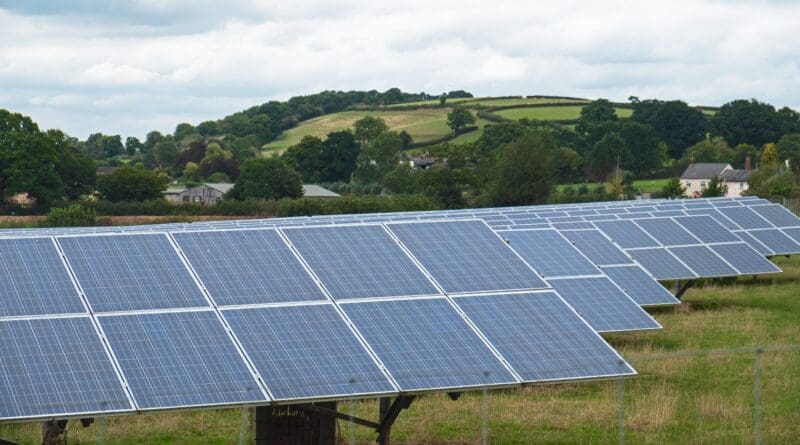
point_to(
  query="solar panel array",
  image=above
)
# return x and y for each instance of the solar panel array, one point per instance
(112, 320)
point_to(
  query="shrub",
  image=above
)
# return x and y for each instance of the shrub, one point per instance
(72, 216)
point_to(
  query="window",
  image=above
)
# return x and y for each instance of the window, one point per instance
(688, 183)
(741, 185)
(702, 184)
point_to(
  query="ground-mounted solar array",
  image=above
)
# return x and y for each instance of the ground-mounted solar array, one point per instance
(291, 310)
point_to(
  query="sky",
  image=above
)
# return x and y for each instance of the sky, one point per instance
(129, 67)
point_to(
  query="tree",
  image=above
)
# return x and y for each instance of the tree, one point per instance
(379, 157)
(647, 152)
(442, 99)
(367, 129)
(607, 154)
(595, 113)
(307, 158)
(208, 128)
(269, 178)
(101, 146)
(441, 184)
(195, 154)
(401, 180)
(523, 173)
(710, 150)
(131, 184)
(769, 156)
(673, 189)
(183, 130)
(567, 164)
(166, 152)
(77, 171)
(459, 118)
(789, 147)
(715, 188)
(675, 123)
(28, 159)
(133, 145)
(339, 156)
(740, 154)
(748, 122)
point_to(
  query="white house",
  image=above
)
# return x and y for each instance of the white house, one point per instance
(697, 176)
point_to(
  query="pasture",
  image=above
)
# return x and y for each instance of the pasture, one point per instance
(557, 113)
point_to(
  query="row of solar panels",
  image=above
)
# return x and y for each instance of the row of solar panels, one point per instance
(115, 323)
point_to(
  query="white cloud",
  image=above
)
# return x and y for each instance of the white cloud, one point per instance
(147, 62)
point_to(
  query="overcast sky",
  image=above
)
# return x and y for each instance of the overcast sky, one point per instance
(127, 67)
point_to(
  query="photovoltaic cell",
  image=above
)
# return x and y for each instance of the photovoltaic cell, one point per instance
(306, 352)
(706, 229)
(626, 233)
(53, 367)
(776, 241)
(703, 261)
(667, 231)
(179, 359)
(596, 247)
(425, 344)
(754, 243)
(131, 272)
(777, 214)
(549, 253)
(661, 264)
(541, 338)
(248, 267)
(466, 256)
(604, 306)
(793, 233)
(359, 262)
(744, 258)
(641, 287)
(34, 280)
(745, 218)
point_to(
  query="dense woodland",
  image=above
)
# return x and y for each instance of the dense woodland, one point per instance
(512, 162)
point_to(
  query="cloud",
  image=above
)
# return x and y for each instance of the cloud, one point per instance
(130, 67)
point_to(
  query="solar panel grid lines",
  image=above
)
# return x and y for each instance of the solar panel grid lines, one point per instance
(549, 253)
(745, 218)
(640, 285)
(706, 229)
(667, 232)
(754, 243)
(744, 258)
(704, 261)
(626, 234)
(596, 246)
(775, 240)
(662, 264)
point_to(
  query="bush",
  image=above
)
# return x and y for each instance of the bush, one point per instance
(72, 216)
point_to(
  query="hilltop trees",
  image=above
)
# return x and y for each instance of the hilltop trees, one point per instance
(675, 123)
(748, 122)
(459, 118)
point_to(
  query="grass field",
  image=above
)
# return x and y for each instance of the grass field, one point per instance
(552, 113)
(422, 125)
(695, 399)
(646, 185)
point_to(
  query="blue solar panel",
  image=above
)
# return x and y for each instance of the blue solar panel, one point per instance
(425, 344)
(248, 267)
(754, 243)
(34, 280)
(667, 232)
(703, 261)
(776, 241)
(745, 218)
(603, 305)
(53, 367)
(668, 213)
(596, 247)
(359, 262)
(641, 287)
(793, 233)
(304, 352)
(179, 359)
(626, 233)
(549, 253)
(466, 256)
(541, 338)
(573, 225)
(777, 214)
(661, 264)
(706, 229)
(716, 216)
(131, 272)
(744, 258)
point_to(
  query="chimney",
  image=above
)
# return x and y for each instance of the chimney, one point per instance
(747, 162)
(691, 160)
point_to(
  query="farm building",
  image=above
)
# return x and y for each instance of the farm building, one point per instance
(697, 176)
(210, 193)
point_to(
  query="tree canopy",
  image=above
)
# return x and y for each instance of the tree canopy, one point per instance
(131, 184)
(268, 178)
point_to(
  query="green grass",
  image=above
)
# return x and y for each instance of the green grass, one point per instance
(490, 102)
(694, 399)
(552, 113)
(422, 125)
(646, 185)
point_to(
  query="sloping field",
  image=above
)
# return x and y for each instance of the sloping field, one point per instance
(552, 113)
(422, 125)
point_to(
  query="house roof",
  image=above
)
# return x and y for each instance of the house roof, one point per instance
(174, 190)
(316, 191)
(737, 175)
(704, 170)
(223, 187)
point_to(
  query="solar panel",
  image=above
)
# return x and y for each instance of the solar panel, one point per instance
(626, 233)
(704, 261)
(248, 267)
(179, 359)
(754, 243)
(466, 256)
(745, 218)
(793, 233)
(306, 352)
(425, 344)
(661, 264)
(777, 214)
(131, 272)
(641, 287)
(541, 338)
(744, 258)
(549, 253)
(603, 305)
(34, 280)
(57, 366)
(667, 231)
(706, 229)
(776, 241)
(596, 247)
(359, 262)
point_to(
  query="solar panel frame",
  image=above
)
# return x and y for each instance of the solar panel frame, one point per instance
(642, 287)
(745, 218)
(626, 234)
(706, 229)
(776, 240)
(704, 261)
(754, 243)
(744, 258)
(777, 215)
(549, 253)
(666, 231)
(661, 264)
(596, 247)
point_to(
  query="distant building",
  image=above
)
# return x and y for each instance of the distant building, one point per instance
(697, 176)
(208, 194)
(422, 162)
